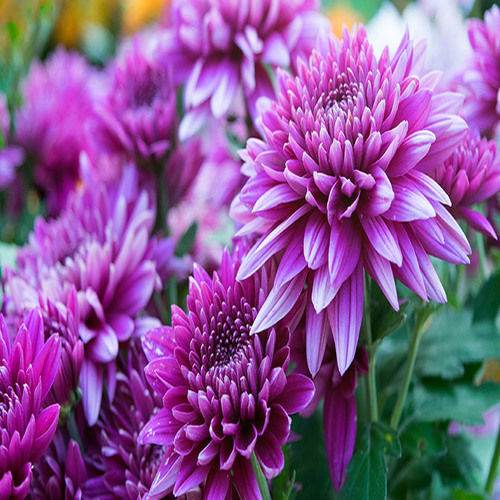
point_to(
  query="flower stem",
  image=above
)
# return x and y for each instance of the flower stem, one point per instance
(372, 349)
(493, 466)
(261, 480)
(410, 365)
(482, 255)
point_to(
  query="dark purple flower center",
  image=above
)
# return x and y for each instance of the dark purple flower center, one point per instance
(225, 338)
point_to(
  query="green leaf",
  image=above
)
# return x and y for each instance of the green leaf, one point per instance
(453, 341)
(187, 240)
(462, 402)
(14, 32)
(487, 301)
(460, 494)
(309, 458)
(283, 484)
(385, 320)
(366, 477)
(422, 439)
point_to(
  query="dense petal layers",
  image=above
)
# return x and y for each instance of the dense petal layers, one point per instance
(99, 249)
(28, 367)
(344, 168)
(223, 47)
(225, 392)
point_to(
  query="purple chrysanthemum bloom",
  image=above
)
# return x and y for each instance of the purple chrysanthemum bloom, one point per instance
(481, 77)
(10, 156)
(28, 366)
(59, 96)
(469, 176)
(126, 469)
(340, 185)
(60, 474)
(100, 245)
(222, 47)
(137, 119)
(225, 392)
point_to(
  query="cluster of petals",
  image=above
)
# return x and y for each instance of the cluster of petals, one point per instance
(28, 366)
(58, 97)
(481, 77)
(137, 118)
(469, 176)
(226, 393)
(222, 48)
(341, 184)
(101, 247)
(60, 474)
(127, 468)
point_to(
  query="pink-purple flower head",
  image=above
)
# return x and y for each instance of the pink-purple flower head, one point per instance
(471, 175)
(226, 393)
(59, 96)
(340, 184)
(137, 119)
(28, 366)
(481, 76)
(60, 474)
(126, 469)
(223, 48)
(100, 245)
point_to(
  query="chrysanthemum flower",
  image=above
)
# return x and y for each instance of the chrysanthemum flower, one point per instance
(225, 392)
(469, 176)
(137, 119)
(58, 99)
(28, 366)
(224, 46)
(126, 468)
(340, 185)
(100, 245)
(60, 474)
(482, 75)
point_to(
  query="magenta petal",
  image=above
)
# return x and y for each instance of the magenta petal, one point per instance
(46, 425)
(161, 429)
(297, 394)
(344, 252)
(316, 240)
(279, 302)
(383, 238)
(217, 485)
(269, 454)
(91, 383)
(339, 420)
(166, 475)
(345, 315)
(190, 475)
(477, 221)
(244, 480)
(317, 333)
(380, 270)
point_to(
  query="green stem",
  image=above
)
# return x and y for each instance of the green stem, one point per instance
(493, 466)
(482, 255)
(410, 365)
(161, 201)
(261, 480)
(73, 430)
(372, 349)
